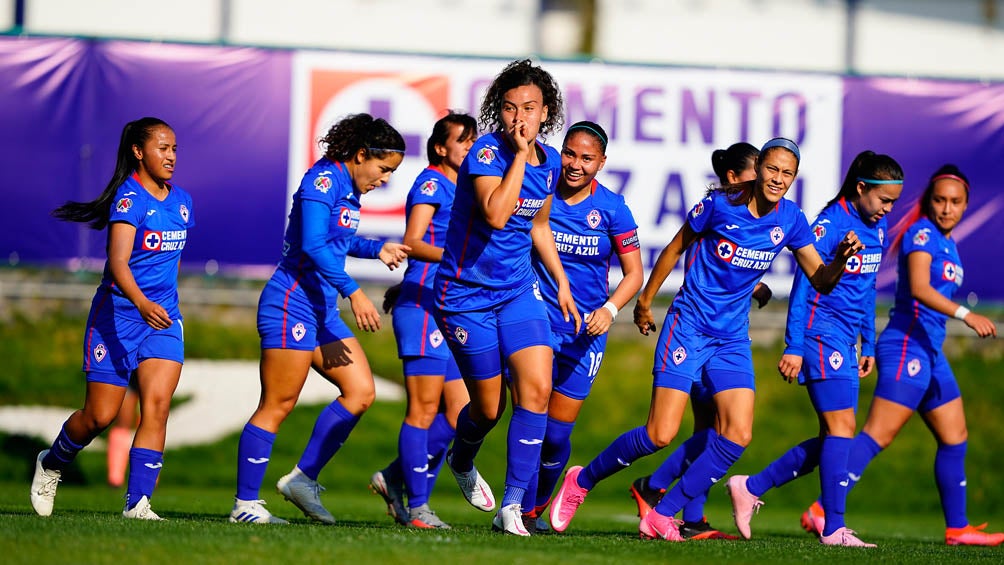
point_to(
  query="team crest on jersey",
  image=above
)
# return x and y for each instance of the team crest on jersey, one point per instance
(679, 355)
(461, 335)
(881, 235)
(322, 184)
(436, 338)
(922, 236)
(913, 367)
(836, 360)
(536, 291)
(949, 271)
(593, 218)
(725, 250)
(183, 210)
(429, 188)
(299, 331)
(698, 210)
(776, 235)
(348, 218)
(853, 265)
(123, 205)
(152, 240)
(550, 177)
(486, 155)
(819, 231)
(100, 352)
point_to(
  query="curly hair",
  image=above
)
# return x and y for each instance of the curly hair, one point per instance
(361, 131)
(516, 74)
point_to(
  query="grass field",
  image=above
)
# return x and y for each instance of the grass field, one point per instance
(896, 504)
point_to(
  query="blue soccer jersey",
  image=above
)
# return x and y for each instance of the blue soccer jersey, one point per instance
(478, 258)
(329, 183)
(587, 235)
(908, 314)
(734, 250)
(849, 311)
(161, 233)
(432, 188)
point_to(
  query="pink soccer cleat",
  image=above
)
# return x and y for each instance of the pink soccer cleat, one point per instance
(972, 535)
(657, 526)
(744, 503)
(567, 501)
(814, 519)
(845, 537)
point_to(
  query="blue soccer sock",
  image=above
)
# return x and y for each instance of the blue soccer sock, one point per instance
(709, 468)
(412, 445)
(833, 481)
(796, 462)
(63, 451)
(441, 433)
(950, 474)
(144, 468)
(625, 450)
(526, 434)
(863, 450)
(554, 455)
(679, 461)
(470, 436)
(332, 428)
(253, 453)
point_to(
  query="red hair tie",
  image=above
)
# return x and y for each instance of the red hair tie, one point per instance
(953, 177)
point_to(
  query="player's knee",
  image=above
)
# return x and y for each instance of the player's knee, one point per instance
(421, 414)
(661, 438)
(97, 420)
(740, 436)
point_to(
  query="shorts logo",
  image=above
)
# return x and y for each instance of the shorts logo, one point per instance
(183, 210)
(922, 237)
(679, 355)
(776, 235)
(820, 231)
(152, 240)
(593, 218)
(698, 210)
(486, 155)
(100, 352)
(429, 188)
(299, 331)
(345, 217)
(461, 335)
(323, 184)
(913, 367)
(436, 338)
(123, 205)
(853, 265)
(725, 250)
(836, 360)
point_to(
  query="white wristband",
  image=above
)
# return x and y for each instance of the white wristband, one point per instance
(612, 309)
(961, 313)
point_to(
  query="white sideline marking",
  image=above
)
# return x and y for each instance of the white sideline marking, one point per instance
(221, 397)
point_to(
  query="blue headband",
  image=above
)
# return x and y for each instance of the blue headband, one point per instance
(879, 181)
(782, 142)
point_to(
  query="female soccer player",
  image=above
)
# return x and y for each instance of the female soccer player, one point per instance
(429, 369)
(134, 325)
(913, 374)
(739, 230)
(487, 296)
(591, 225)
(732, 166)
(298, 315)
(821, 346)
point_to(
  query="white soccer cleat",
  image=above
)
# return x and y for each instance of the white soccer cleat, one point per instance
(254, 512)
(43, 486)
(305, 493)
(473, 486)
(142, 510)
(509, 520)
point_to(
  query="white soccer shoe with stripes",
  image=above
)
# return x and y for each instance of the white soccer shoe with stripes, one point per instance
(253, 512)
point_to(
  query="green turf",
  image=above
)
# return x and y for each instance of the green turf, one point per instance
(896, 504)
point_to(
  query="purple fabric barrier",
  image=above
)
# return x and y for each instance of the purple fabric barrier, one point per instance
(924, 124)
(64, 103)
